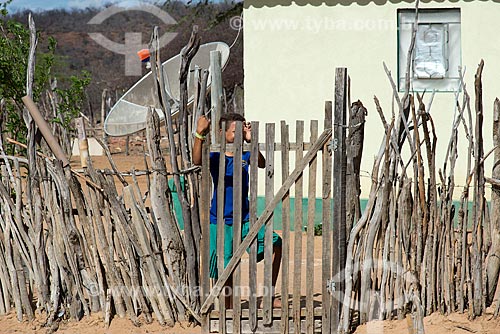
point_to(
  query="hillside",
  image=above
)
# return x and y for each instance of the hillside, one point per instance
(76, 51)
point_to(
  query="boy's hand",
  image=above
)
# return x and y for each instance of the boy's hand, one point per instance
(203, 125)
(247, 131)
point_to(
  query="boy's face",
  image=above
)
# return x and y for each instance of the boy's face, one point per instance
(230, 132)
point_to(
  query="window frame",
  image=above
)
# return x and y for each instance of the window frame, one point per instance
(451, 17)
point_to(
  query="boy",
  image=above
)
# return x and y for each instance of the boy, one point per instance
(202, 129)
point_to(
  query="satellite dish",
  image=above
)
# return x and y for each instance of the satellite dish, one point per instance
(128, 115)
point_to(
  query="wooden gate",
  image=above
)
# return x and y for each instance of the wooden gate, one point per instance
(310, 302)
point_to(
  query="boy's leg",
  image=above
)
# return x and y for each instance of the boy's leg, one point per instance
(213, 252)
(275, 272)
(228, 254)
(277, 247)
(214, 272)
(228, 288)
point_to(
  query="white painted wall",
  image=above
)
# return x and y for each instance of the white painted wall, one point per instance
(291, 53)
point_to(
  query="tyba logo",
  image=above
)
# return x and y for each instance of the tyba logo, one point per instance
(133, 40)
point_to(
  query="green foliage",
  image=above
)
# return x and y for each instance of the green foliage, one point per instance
(72, 98)
(14, 48)
(211, 13)
(318, 230)
(43, 68)
(235, 10)
(14, 54)
(14, 51)
(3, 7)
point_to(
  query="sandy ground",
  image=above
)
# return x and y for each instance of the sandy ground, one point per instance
(434, 324)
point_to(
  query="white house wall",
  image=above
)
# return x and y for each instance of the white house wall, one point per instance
(291, 53)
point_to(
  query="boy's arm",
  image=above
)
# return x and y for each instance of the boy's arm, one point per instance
(201, 131)
(197, 151)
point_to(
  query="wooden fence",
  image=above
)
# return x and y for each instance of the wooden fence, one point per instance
(77, 246)
(315, 305)
(115, 254)
(73, 247)
(255, 318)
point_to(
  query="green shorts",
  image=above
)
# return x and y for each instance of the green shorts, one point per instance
(228, 244)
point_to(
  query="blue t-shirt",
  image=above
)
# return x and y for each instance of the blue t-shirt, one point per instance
(228, 187)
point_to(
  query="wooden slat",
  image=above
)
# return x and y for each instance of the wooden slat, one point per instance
(339, 190)
(101, 238)
(277, 147)
(254, 166)
(96, 261)
(285, 216)
(268, 329)
(297, 261)
(220, 226)
(195, 108)
(150, 268)
(327, 221)
(275, 327)
(252, 234)
(206, 183)
(120, 247)
(141, 305)
(162, 204)
(237, 216)
(216, 94)
(311, 208)
(268, 240)
(277, 314)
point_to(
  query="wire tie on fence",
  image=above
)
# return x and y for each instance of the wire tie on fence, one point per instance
(181, 172)
(335, 144)
(329, 146)
(161, 170)
(352, 126)
(187, 171)
(331, 286)
(358, 124)
(341, 125)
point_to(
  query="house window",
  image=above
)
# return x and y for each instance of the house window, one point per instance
(437, 52)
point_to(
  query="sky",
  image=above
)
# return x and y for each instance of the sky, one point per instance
(37, 5)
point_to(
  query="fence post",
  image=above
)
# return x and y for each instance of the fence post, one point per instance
(206, 185)
(339, 192)
(45, 130)
(267, 300)
(103, 115)
(83, 143)
(215, 92)
(311, 208)
(297, 243)
(285, 214)
(327, 223)
(237, 223)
